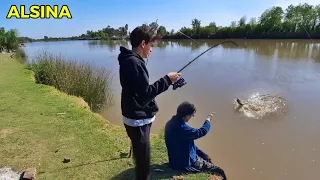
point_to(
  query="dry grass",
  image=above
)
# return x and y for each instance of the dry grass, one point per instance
(5, 132)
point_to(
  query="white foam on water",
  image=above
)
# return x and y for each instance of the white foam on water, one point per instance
(267, 104)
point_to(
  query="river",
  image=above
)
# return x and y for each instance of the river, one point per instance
(282, 147)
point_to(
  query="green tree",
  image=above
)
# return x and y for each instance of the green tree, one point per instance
(271, 19)
(233, 24)
(3, 39)
(196, 25)
(154, 26)
(242, 21)
(317, 9)
(253, 21)
(9, 39)
(186, 31)
(162, 31)
(126, 29)
(212, 24)
(102, 35)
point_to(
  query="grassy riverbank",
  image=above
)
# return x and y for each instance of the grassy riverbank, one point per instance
(40, 125)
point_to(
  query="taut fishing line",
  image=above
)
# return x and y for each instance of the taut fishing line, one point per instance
(181, 82)
(205, 52)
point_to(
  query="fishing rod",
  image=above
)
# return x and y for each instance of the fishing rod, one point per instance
(181, 82)
(205, 52)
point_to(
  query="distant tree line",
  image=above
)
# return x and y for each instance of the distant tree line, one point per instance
(299, 21)
(294, 22)
(107, 33)
(104, 33)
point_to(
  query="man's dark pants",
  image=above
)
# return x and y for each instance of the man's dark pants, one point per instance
(140, 139)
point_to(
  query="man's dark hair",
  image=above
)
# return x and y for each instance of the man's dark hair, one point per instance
(144, 32)
(185, 108)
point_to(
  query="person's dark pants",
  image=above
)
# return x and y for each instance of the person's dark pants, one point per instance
(202, 165)
(140, 140)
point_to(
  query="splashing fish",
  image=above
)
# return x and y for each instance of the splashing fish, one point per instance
(260, 105)
(247, 106)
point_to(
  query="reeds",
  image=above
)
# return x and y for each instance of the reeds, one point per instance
(80, 79)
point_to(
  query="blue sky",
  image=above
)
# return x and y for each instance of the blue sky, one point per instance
(96, 14)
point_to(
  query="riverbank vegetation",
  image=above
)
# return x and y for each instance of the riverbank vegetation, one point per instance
(81, 79)
(21, 55)
(9, 40)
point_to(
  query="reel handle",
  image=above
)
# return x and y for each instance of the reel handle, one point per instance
(181, 82)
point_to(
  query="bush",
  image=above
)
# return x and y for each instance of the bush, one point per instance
(78, 79)
(21, 55)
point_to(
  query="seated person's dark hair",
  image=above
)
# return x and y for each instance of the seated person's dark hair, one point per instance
(144, 32)
(185, 109)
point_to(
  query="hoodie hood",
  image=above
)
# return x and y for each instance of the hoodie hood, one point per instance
(126, 53)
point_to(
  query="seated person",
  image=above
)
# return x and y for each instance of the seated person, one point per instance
(183, 154)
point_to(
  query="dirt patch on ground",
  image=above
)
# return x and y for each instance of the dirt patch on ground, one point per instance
(82, 103)
(99, 116)
(214, 177)
(5, 132)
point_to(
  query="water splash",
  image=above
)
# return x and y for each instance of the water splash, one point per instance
(260, 105)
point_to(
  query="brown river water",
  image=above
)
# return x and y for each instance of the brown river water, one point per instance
(246, 144)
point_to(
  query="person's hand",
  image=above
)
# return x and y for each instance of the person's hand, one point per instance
(210, 116)
(174, 76)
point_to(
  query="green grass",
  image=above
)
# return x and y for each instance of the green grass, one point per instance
(34, 133)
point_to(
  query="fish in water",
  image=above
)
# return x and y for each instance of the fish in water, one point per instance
(260, 105)
(247, 106)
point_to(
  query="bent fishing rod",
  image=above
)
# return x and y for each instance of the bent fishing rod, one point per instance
(181, 82)
(205, 52)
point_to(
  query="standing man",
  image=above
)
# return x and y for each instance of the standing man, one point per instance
(137, 97)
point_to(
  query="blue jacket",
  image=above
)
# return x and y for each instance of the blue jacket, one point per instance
(179, 138)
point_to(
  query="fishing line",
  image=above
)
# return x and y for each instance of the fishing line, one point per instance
(307, 33)
(205, 52)
(313, 43)
(181, 82)
(188, 37)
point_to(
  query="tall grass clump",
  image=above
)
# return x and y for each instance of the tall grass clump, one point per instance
(21, 55)
(80, 79)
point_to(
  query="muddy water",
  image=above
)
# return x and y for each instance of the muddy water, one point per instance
(283, 146)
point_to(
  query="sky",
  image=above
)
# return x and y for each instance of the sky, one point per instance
(97, 14)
